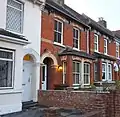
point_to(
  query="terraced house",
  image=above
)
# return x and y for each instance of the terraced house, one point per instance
(76, 50)
(20, 24)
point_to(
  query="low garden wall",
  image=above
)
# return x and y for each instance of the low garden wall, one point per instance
(87, 101)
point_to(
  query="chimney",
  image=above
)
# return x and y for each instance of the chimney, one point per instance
(102, 22)
(60, 2)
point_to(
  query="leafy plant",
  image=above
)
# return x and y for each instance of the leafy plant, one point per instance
(117, 84)
(92, 86)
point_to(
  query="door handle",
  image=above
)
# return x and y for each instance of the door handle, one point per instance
(23, 84)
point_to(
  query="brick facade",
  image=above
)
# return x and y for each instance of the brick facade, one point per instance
(107, 103)
(49, 15)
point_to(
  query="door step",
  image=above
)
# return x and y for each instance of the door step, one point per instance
(29, 104)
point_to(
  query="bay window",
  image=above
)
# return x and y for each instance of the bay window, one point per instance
(6, 68)
(86, 73)
(76, 72)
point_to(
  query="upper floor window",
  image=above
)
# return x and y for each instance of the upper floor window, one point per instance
(95, 42)
(76, 38)
(58, 32)
(14, 16)
(117, 49)
(105, 46)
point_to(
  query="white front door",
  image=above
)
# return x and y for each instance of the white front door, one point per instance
(26, 84)
(44, 77)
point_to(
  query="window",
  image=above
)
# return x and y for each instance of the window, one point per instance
(117, 50)
(14, 18)
(76, 72)
(105, 46)
(58, 32)
(109, 72)
(76, 38)
(96, 72)
(6, 68)
(95, 42)
(86, 73)
(103, 71)
(64, 72)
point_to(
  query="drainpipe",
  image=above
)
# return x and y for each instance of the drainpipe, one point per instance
(88, 40)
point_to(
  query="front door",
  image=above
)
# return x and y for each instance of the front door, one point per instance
(44, 77)
(26, 84)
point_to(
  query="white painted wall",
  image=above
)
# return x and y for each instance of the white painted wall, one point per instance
(10, 99)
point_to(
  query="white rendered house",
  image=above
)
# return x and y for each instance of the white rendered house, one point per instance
(20, 37)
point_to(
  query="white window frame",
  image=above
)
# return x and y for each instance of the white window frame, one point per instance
(117, 50)
(77, 73)
(105, 46)
(74, 38)
(96, 43)
(105, 71)
(88, 64)
(13, 60)
(64, 71)
(57, 43)
(22, 17)
(110, 72)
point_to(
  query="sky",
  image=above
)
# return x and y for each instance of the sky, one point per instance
(108, 9)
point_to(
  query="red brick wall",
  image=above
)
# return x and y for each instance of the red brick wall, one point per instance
(107, 103)
(101, 44)
(91, 42)
(83, 41)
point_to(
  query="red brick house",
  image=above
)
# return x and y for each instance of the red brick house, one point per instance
(75, 50)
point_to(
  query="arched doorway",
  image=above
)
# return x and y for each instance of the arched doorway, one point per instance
(31, 75)
(48, 67)
(27, 78)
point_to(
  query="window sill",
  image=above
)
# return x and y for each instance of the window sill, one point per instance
(58, 44)
(76, 49)
(21, 34)
(10, 91)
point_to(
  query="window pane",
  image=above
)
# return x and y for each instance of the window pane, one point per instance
(55, 36)
(60, 27)
(77, 79)
(73, 66)
(59, 38)
(6, 55)
(103, 75)
(75, 43)
(86, 79)
(6, 73)
(14, 18)
(78, 67)
(55, 25)
(73, 32)
(77, 34)
(74, 79)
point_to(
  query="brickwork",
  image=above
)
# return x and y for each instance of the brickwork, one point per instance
(107, 103)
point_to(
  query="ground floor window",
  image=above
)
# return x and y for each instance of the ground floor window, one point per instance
(106, 72)
(64, 72)
(76, 72)
(86, 73)
(96, 72)
(6, 68)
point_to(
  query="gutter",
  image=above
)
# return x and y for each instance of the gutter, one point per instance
(13, 40)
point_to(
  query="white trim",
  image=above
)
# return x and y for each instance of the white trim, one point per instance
(117, 51)
(87, 73)
(13, 67)
(105, 46)
(74, 38)
(50, 55)
(13, 40)
(64, 71)
(58, 44)
(59, 32)
(96, 43)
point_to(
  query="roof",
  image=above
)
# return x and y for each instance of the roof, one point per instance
(102, 56)
(10, 34)
(117, 33)
(70, 51)
(97, 26)
(64, 9)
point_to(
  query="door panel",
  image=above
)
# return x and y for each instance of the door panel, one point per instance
(26, 84)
